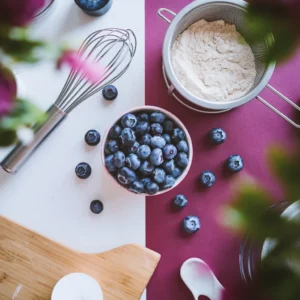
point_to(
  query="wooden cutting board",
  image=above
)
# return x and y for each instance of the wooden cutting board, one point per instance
(31, 265)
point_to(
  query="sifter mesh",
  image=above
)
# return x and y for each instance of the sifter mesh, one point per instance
(232, 14)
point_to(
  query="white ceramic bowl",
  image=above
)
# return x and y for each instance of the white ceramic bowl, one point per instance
(169, 116)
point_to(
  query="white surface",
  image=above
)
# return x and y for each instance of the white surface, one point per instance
(77, 286)
(200, 279)
(45, 195)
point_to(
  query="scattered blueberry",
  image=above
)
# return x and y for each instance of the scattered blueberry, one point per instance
(178, 135)
(115, 131)
(145, 180)
(126, 176)
(110, 93)
(133, 148)
(235, 163)
(96, 207)
(156, 157)
(119, 159)
(157, 117)
(151, 188)
(182, 146)
(83, 170)
(169, 182)
(191, 224)
(111, 146)
(167, 138)
(143, 152)
(157, 142)
(176, 173)
(144, 117)
(207, 178)
(136, 187)
(142, 128)
(156, 129)
(182, 160)
(159, 175)
(109, 163)
(146, 139)
(169, 166)
(92, 137)
(133, 161)
(128, 137)
(218, 136)
(180, 201)
(146, 168)
(169, 151)
(129, 121)
(168, 126)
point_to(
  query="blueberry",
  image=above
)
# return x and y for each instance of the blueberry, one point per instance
(133, 148)
(180, 201)
(110, 92)
(133, 161)
(168, 126)
(157, 142)
(111, 146)
(182, 146)
(151, 188)
(144, 117)
(92, 137)
(146, 139)
(146, 168)
(115, 131)
(156, 157)
(129, 121)
(169, 151)
(145, 180)
(126, 176)
(176, 173)
(235, 163)
(136, 187)
(217, 136)
(109, 163)
(159, 175)
(178, 135)
(83, 170)
(169, 182)
(157, 117)
(119, 159)
(191, 224)
(207, 178)
(143, 152)
(169, 166)
(167, 138)
(96, 206)
(142, 128)
(128, 137)
(156, 129)
(182, 160)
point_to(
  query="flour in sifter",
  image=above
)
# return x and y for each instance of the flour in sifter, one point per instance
(213, 61)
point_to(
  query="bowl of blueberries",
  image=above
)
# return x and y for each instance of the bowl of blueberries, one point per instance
(147, 150)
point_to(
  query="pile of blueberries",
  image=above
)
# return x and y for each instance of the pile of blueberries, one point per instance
(146, 152)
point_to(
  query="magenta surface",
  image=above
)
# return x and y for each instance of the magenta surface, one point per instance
(251, 129)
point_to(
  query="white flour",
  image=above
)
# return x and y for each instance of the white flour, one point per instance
(213, 61)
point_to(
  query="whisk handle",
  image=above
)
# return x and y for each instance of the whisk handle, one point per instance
(21, 153)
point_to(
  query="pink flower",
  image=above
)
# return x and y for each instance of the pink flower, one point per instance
(8, 91)
(19, 12)
(91, 71)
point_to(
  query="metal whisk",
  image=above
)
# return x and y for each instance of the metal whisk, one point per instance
(113, 49)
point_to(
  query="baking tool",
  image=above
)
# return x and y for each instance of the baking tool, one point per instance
(200, 279)
(101, 6)
(113, 49)
(31, 265)
(231, 11)
(169, 116)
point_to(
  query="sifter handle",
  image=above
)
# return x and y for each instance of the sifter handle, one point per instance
(20, 154)
(162, 16)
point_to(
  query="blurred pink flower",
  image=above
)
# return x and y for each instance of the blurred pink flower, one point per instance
(91, 71)
(8, 91)
(19, 12)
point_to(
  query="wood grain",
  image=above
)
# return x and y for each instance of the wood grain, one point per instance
(31, 265)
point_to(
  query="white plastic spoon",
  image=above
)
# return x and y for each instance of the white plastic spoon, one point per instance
(200, 279)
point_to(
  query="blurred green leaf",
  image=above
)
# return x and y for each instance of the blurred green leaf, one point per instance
(7, 137)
